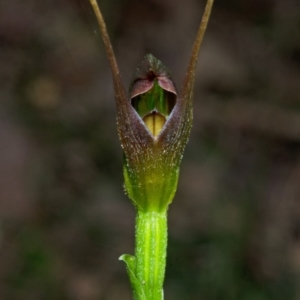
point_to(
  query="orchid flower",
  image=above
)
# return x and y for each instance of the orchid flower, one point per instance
(154, 123)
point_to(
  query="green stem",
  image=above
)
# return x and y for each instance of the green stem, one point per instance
(150, 252)
(146, 270)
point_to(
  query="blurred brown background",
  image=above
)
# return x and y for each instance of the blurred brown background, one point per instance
(64, 219)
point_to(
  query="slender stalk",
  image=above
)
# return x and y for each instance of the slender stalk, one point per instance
(150, 252)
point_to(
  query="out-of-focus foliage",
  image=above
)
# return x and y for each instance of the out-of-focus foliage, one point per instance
(64, 220)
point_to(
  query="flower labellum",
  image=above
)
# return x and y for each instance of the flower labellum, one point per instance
(153, 94)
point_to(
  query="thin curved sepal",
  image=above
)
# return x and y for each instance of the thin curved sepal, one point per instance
(188, 84)
(184, 110)
(132, 131)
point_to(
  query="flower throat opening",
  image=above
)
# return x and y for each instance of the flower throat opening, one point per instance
(154, 107)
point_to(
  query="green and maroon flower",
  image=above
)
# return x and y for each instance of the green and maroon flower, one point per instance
(154, 123)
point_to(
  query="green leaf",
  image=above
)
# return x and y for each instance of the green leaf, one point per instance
(137, 286)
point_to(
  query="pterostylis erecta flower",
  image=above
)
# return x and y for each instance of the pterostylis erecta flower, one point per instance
(154, 122)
